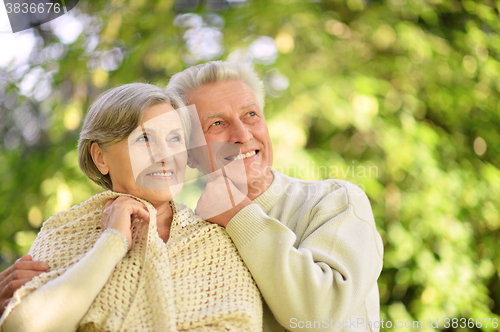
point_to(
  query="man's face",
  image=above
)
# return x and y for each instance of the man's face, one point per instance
(228, 112)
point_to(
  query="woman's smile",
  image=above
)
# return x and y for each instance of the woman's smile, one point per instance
(162, 175)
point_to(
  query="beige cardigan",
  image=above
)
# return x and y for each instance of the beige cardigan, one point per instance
(196, 281)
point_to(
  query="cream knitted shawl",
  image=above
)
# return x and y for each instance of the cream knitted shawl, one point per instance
(196, 281)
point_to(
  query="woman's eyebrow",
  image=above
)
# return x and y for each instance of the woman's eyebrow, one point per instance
(154, 131)
(148, 130)
(176, 129)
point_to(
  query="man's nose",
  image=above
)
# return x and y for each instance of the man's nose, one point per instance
(240, 133)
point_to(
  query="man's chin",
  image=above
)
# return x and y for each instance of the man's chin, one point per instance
(256, 172)
(258, 178)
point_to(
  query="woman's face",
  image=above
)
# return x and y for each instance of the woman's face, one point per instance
(151, 163)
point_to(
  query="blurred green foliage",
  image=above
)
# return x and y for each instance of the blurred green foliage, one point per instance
(399, 96)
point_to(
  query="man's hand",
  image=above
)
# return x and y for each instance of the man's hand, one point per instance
(221, 201)
(18, 274)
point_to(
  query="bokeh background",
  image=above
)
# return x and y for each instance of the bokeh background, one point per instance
(408, 89)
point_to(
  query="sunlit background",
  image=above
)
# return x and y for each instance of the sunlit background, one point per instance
(407, 91)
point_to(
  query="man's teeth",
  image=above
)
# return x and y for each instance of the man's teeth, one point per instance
(162, 174)
(243, 156)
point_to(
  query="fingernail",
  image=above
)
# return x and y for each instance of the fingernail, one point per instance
(45, 265)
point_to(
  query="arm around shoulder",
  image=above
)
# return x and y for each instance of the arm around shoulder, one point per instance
(60, 304)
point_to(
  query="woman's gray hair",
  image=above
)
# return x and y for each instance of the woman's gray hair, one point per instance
(113, 117)
(216, 71)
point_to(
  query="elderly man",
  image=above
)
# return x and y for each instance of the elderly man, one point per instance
(311, 246)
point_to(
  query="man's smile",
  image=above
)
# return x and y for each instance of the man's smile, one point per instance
(243, 155)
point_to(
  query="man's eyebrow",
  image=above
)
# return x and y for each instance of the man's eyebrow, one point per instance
(247, 105)
(214, 115)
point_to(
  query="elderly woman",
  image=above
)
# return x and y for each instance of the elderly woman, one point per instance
(130, 259)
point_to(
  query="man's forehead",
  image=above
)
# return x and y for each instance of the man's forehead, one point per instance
(219, 97)
(221, 91)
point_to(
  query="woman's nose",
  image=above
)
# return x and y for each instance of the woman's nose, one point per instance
(161, 152)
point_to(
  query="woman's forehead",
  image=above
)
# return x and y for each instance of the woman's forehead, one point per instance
(156, 110)
(165, 120)
(161, 117)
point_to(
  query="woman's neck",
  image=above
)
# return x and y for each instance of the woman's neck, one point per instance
(164, 220)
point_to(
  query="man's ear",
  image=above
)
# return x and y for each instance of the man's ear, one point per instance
(98, 158)
(191, 161)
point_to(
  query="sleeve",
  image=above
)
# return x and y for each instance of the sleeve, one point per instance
(325, 273)
(60, 304)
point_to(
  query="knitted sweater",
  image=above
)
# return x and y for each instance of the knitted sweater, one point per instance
(195, 281)
(315, 254)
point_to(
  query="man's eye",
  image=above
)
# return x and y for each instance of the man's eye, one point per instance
(252, 114)
(216, 123)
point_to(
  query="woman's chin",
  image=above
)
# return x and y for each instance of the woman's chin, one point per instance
(151, 183)
(160, 189)
(155, 192)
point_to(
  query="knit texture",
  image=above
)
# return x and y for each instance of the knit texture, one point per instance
(196, 281)
(315, 253)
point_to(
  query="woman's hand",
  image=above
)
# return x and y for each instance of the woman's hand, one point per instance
(118, 214)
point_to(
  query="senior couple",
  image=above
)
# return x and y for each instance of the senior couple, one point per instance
(274, 253)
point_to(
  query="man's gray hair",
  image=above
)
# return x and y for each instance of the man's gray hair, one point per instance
(113, 117)
(216, 71)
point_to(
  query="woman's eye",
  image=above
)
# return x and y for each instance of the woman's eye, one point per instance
(142, 138)
(176, 139)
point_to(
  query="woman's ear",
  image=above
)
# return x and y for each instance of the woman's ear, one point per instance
(192, 162)
(98, 158)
